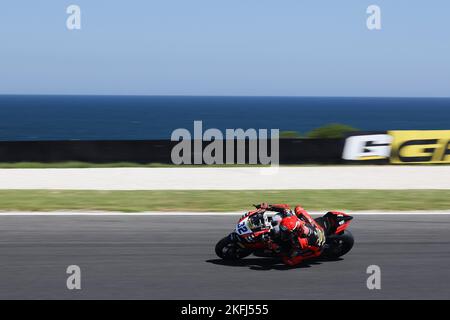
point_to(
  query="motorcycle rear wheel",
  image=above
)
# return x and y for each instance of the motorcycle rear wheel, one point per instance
(228, 249)
(339, 245)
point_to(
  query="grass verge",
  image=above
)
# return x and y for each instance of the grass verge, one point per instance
(79, 164)
(217, 201)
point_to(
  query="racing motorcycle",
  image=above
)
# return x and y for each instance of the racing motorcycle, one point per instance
(241, 242)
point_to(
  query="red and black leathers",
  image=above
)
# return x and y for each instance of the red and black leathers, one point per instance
(305, 236)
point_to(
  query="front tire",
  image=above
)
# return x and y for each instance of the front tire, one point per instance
(228, 249)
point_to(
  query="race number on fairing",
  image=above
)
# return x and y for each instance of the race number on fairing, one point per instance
(242, 228)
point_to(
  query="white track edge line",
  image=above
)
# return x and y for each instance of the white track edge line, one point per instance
(76, 213)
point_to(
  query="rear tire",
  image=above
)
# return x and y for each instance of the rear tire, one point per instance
(339, 245)
(228, 249)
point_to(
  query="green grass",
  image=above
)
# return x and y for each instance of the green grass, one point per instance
(136, 201)
(74, 164)
(80, 164)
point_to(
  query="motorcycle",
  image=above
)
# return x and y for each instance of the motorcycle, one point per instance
(246, 238)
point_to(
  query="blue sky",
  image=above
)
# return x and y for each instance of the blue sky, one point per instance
(226, 47)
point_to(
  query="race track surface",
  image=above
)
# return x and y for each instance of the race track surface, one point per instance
(157, 257)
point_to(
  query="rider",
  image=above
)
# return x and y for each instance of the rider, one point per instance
(305, 236)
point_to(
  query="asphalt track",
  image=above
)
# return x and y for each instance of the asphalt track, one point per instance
(172, 257)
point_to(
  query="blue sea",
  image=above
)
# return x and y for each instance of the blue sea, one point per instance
(155, 117)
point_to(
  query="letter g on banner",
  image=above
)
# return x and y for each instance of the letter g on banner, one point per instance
(420, 146)
(367, 147)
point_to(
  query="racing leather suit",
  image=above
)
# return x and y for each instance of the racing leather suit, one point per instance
(306, 242)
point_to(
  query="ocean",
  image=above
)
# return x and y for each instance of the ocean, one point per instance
(30, 117)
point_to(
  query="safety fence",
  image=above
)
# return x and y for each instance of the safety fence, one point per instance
(398, 147)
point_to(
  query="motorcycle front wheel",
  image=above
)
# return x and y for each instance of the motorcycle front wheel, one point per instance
(228, 249)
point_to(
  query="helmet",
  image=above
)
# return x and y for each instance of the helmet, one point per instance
(290, 224)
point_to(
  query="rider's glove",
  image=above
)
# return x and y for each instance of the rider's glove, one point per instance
(263, 206)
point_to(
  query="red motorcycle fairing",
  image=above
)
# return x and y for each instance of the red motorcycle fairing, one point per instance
(252, 241)
(246, 241)
(248, 214)
(336, 222)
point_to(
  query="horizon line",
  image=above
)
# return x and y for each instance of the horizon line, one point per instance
(218, 96)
